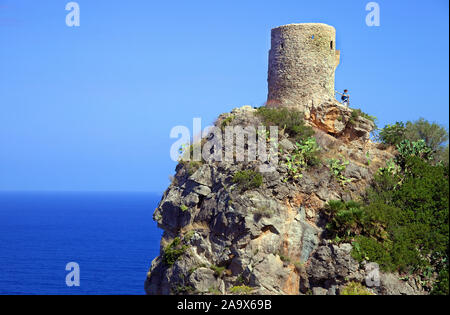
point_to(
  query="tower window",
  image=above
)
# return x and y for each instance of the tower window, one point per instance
(331, 45)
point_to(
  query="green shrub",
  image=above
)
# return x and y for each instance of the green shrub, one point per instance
(284, 258)
(442, 155)
(248, 179)
(240, 279)
(442, 282)
(375, 219)
(218, 271)
(432, 134)
(214, 291)
(366, 248)
(227, 121)
(306, 153)
(309, 150)
(359, 113)
(183, 290)
(173, 251)
(344, 218)
(192, 166)
(355, 288)
(419, 148)
(391, 168)
(368, 158)
(288, 120)
(184, 208)
(241, 290)
(406, 221)
(385, 181)
(403, 224)
(337, 168)
(188, 236)
(423, 196)
(392, 134)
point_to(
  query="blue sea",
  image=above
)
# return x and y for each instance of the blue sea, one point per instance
(111, 236)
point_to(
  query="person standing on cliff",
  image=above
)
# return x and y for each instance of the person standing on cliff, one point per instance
(345, 98)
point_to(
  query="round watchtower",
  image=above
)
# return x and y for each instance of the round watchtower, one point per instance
(302, 62)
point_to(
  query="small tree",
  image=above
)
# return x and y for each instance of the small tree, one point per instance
(392, 134)
(433, 134)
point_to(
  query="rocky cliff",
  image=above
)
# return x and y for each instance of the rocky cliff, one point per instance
(269, 238)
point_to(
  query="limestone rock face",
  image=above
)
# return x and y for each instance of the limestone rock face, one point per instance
(269, 239)
(336, 119)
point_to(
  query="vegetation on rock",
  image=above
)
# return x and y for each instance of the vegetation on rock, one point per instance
(241, 290)
(392, 134)
(247, 179)
(218, 271)
(356, 113)
(400, 221)
(355, 288)
(226, 122)
(403, 224)
(291, 121)
(337, 169)
(433, 135)
(306, 153)
(192, 166)
(173, 251)
(344, 218)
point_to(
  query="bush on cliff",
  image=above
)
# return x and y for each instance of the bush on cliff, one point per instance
(289, 120)
(355, 288)
(392, 134)
(304, 155)
(241, 290)
(356, 113)
(337, 168)
(433, 135)
(344, 218)
(173, 251)
(404, 223)
(247, 179)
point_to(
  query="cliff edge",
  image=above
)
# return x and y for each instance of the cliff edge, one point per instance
(229, 229)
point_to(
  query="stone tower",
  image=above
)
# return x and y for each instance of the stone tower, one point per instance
(302, 62)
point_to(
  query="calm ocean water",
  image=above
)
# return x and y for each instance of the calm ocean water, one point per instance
(110, 235)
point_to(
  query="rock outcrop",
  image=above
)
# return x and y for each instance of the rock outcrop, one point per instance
(220, 239)
(338, 120)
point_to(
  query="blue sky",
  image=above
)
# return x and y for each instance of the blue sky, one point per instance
(91, 108)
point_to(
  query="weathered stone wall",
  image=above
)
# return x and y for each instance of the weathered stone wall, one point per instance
(302, 62)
